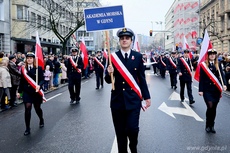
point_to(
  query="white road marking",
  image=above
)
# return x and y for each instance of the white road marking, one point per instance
(114, 147)
(176, 96)
(187, 111)
(53, 97)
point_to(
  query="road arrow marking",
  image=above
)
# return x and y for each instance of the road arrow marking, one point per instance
(187, 111)
(176, 96)
(114, 147)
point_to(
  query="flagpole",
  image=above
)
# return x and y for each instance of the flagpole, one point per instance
(109, 54)
(36, 58)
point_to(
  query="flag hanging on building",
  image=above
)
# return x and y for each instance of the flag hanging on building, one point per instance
(136, 46)
(84, 52)
(206, 45)
(38, 52)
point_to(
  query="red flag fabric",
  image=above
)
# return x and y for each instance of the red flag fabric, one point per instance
(105, 54)
(206, 45)
(136, 46)
(38, 52)
(84, 53)
(186, 47)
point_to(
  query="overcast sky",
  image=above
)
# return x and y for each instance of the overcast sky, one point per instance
(142, 15)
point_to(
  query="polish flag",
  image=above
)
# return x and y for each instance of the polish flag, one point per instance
(206, 45)
(136, 44)
(186, 47)
(38, 52)
(84, 52)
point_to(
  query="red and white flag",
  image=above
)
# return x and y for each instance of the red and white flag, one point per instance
(206, 45)
(84, 52)
(38, 52)
(186, 47)
(136, 46)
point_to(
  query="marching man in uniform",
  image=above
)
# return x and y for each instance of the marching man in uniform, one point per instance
(172, 69)
(184, 69)
(130, 88)
(74, 70)
(99, 63)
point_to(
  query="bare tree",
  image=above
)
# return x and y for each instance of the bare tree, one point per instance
(64, 18)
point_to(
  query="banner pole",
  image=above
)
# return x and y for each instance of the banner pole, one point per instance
(109, 54)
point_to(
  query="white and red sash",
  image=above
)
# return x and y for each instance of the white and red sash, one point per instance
(211, 76)
(32, 83)
(99, 63)
(126, 74)
(144, 61)
(162, 61)
(74, 65)
(171, 61)
(186, 65)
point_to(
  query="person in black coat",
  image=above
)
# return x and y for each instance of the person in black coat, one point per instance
(184, 69)
(99, 63)
(74, 74)
(172, 69)
(125, 102)
(30, 93)
(15, 79)
(162, 64)
(209, 89)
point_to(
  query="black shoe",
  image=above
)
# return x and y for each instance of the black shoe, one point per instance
(27, 132)
(213, 130)
(182, 100)
(101, 86)
(71, 101)
(175, 87)
(171, 87)
(208, 129)
(97, 88)
(41, 124)
(14, 105)
(191, 102)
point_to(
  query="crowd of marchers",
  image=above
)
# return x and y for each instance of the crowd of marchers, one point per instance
(54, 73)
(159, 59)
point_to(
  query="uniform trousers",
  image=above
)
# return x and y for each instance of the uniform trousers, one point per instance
(126, 124)
(74, 84)
(99, 78)
(189, 89)
(173, 79)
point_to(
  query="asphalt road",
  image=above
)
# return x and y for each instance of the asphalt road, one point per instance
(167, 126)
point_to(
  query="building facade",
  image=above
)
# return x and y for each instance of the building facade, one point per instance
(5, 26)
(215, 17)
(182, 20)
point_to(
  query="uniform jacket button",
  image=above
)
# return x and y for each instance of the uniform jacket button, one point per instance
(123, 82)
(123, 89)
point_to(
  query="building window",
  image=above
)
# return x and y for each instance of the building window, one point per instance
(1, 42)
(222, 24)
(228, 22)
(19, 12)
(22, 12)
(1, 10)
(44, 22)
(39, 21)
(33, 19)
(83, 34)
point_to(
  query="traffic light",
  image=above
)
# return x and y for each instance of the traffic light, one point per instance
(167, 37)
(151, 32)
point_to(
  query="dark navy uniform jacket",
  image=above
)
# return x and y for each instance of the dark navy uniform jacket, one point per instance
(29, 93)
(124, 97)
(161, 66)
(97, 67)
(205, 83)
(181, 68)
(170, 67)
(71, 71)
